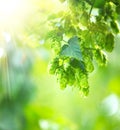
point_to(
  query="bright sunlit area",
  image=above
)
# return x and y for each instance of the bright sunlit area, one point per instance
(52, 75)
(13, 12)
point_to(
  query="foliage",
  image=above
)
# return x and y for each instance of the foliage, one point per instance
(30, 98)
(81, 35)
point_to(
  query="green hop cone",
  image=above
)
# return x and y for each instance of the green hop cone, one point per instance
(114, 27)
(109, 44)
(100, 57)
(85, 91)
(53, 66)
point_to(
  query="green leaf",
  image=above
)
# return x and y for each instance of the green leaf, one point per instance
(98, 3)
(118, 9)
(72, 49)
(77, 64)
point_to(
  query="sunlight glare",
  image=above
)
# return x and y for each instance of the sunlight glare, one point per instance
(1, 52)
(13, 11)
(111, 104)
(7, 37)
(9, 7)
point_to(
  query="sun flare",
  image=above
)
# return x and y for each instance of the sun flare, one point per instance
(13, 12)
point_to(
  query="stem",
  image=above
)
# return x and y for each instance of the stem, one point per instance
(91, 8)
(64, 41)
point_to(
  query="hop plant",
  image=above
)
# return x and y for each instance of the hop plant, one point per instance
(81, 39)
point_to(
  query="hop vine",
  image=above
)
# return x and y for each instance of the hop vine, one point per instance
(81, 36)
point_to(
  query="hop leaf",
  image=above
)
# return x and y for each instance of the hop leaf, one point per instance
(77, 64)
(72, 49)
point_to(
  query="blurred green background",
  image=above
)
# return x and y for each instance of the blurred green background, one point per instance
(30, 98)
